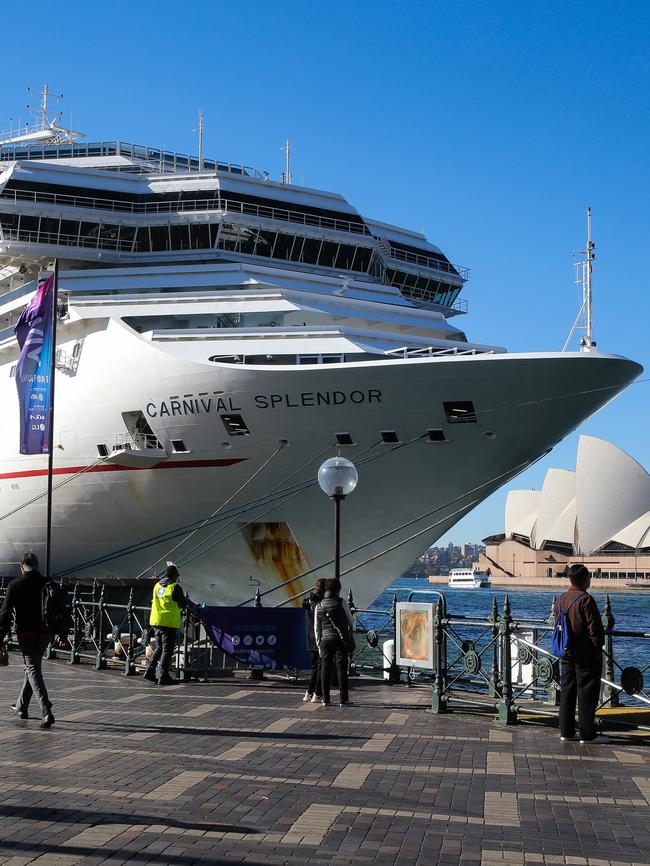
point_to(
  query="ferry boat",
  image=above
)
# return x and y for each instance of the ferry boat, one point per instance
(219, 335)
(467, 578)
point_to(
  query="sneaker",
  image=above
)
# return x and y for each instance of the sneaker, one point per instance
(308, 697)
(325, 703)
(315, 699)
(345, 703)
(166, 680)
(48, 721)
(22, 714)
(598, 740)
(570, 739)
(149, 675)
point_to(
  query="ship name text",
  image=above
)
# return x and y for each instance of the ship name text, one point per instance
(224, 403)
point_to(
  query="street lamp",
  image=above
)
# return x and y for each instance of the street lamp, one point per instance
(337, 478)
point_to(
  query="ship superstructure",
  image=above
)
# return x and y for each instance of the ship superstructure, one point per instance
(236, 330)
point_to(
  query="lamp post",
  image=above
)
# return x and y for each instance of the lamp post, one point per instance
(337, 478)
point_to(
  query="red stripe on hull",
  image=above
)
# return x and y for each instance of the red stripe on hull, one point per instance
(113, 467)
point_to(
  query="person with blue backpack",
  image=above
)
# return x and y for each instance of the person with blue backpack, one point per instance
(578, 640)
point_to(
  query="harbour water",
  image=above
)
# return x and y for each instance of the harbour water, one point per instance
(631, 609)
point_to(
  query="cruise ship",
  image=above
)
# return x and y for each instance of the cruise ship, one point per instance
(220, 334)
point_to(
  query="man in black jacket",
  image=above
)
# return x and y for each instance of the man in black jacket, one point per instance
(580, 674)
(25, 598)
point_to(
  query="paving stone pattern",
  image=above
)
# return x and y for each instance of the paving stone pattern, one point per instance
(222, 773)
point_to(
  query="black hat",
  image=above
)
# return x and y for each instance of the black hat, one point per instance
(29, 562)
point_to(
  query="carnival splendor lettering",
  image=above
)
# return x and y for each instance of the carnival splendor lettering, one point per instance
(304, 399)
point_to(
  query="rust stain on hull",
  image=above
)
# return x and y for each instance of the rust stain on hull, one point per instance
(276, 552)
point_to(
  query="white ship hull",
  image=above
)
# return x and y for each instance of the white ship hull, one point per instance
(524, 405)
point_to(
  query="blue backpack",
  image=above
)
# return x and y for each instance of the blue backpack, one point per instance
(561, 639)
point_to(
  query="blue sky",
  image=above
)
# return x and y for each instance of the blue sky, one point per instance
(491, 125)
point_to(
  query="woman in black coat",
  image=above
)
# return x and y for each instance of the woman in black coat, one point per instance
(314, 692)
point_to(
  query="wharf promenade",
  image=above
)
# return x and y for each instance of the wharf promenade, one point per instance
(245, 772)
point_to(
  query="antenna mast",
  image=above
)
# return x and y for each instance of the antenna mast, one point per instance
(288, 177)
(46, 126)
(584, 271)
(587, 342)
(200, 132)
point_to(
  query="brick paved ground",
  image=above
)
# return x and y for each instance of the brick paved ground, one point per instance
(241, 772)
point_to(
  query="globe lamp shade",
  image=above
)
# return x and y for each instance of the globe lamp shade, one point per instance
(337, 477)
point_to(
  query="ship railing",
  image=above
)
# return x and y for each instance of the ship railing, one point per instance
(428, 262)
(58, 239)
(135, 442)
(431, 296)
(432, 352)
(216, 204)
(157, 161)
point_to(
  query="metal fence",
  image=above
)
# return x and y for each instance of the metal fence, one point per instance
(111, 634)
(499, 663)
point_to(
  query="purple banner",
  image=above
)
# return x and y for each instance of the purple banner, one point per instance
(34, 335)
(261, 637)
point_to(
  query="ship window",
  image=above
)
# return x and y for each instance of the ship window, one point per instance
(344, 439)
(389, 437)
(179, 446)
(160, 238)
(102, 450)
(436, 436)
(200, 234)
(460, 412)
(235, 425)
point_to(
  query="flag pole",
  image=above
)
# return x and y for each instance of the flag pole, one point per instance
(50, 444)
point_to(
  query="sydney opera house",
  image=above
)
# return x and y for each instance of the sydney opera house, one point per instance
(599, 515)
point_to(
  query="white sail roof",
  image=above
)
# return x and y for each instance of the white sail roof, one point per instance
(612, 492)
(521, 512)
(557, 509)
(607, 499)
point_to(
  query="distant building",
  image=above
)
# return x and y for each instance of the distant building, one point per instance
(599, 515)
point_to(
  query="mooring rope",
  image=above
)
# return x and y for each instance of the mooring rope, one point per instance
(381, 537)
(281, 445)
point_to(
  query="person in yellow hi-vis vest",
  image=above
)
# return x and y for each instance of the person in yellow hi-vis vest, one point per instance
(167, 605)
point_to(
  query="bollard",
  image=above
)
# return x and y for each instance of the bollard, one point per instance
(393, 669)
(129, 661)
(553, 686)
(74, 646)
(100, 661)
(507, 713)
(257, 673)
(184, 675)
(439, 698)
(609, 695)
(352, 667)
(494, 618)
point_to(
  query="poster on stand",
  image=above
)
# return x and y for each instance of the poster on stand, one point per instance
(261, 637)
(415, 635)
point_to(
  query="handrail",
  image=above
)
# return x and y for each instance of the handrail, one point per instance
(225, 206)
(216, 203)
(428, 261)
(36, 237)
(160, 161)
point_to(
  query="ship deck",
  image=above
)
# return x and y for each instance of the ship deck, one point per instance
(245, 772)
